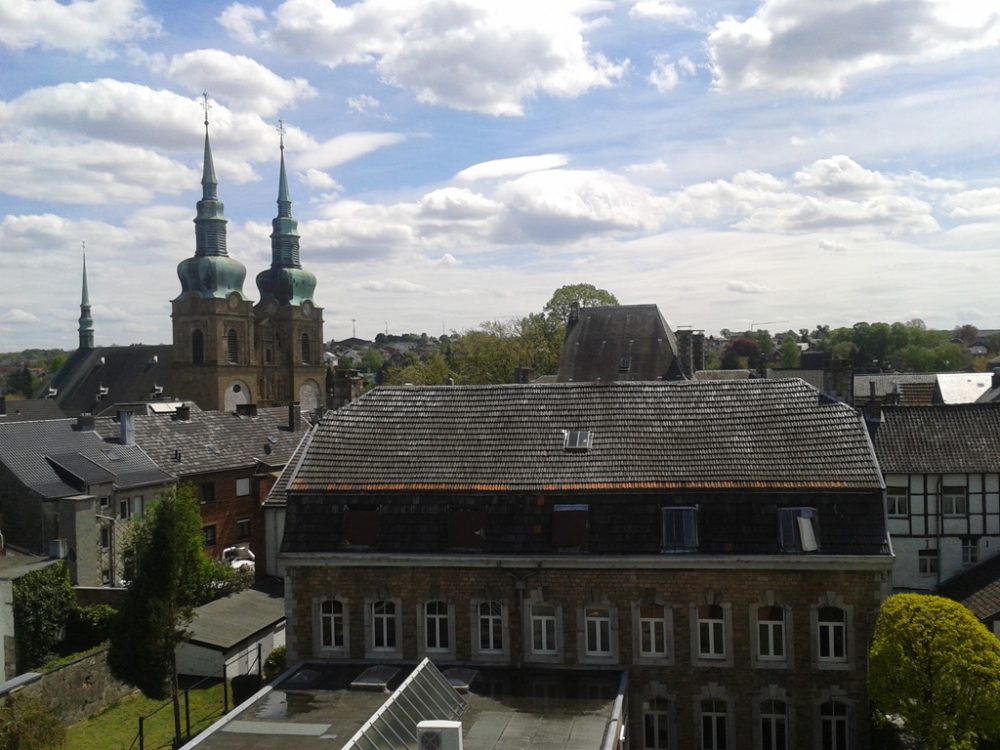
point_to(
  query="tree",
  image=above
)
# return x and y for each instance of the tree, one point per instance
(933, 663)
(790, 352)
(967, 333)
(43, 601)
(585, 295)
(171, 575)
(741, 354)
(22, 382)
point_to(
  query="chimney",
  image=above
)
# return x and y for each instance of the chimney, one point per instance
(873, 409)
(85, 422)
(246, 410)
(294, 416)
(996, 378)
(698, 351)
(183, 413)
(523, 375)
(126, 427)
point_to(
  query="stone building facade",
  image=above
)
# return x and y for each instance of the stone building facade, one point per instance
(723, 542)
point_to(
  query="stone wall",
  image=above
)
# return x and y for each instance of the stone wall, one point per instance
(78, 690)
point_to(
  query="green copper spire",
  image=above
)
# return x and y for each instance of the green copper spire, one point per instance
(285, 280)
(211, 272)
(86, 329)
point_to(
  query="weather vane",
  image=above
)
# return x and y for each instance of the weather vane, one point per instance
(281, 133)
(205, 106)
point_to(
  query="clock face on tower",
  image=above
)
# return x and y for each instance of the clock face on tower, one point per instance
(234, 301)
(307, 308)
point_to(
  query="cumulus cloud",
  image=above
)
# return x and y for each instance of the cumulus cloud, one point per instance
(832, 246)
(817, 47)
(974, 204)
(457, 203)
(244, 84)
(319, 180)
(841, 175)
(88, 27)
(662, 10)
(664, 75)
(240, 22)
(512, 167)
(362, 104)
(475, 55)
(16, 315)
(392, 286)
(746, 287)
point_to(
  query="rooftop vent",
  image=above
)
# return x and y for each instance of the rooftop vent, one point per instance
(102, 391)
(154, 359)
(376, 679)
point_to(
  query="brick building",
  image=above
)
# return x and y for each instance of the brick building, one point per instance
(723, 542)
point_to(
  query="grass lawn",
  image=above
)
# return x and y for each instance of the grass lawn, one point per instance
(117, 727)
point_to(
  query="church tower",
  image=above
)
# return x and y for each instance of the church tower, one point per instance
(289, 325)
(86, 328)
(215, 361)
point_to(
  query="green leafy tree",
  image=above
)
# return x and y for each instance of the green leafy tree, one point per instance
(790, 353)
(585, 295)
(43, 602)
(22, 382)
(27, 723)
(933, 663)
(171, 575)
(432, 372)
(371, 360)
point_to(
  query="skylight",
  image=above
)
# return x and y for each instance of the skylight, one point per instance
(577, 440)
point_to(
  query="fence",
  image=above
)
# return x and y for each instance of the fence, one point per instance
(148, 739)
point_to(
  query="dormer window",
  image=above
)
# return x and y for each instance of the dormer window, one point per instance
(624, 363)
(577, 440)
(799, 529)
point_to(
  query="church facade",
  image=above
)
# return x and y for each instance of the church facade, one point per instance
(227, 349)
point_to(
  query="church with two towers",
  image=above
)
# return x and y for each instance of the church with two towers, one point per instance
(227, 350)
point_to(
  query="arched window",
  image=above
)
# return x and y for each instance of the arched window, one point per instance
(305, 348)
(436, 626)
(197, 347)
(331, 619)
(233, 346)
(711, 631)
(491, 626)
(656, 724)
(832, 635)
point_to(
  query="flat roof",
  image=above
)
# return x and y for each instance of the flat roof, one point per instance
(315, 707)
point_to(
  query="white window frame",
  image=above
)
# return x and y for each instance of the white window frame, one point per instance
(656, 717)
(954, 501)
(709, 709)
(436, 625)
(827, 631)
(711, 632)
(242, 486)
(376, 621)
(688, 524)
(498, 627)
(897, 502)
(544, 617)
(798, 529)
(651, 630)
(769, 633)
(774, 719)
(928, 562)
(838, 722)
(597, 631)
(970, 550)
(490, 623)
(328, 622)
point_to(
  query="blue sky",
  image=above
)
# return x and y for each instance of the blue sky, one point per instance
(784, 163)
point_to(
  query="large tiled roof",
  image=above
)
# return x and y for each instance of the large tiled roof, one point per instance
(54, 458)
(278, 496)
(29, 410)
(94, 380)
(600, 337)
(213, 440)
(939, 439)
(652, 435)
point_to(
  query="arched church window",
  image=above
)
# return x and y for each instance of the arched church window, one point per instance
(233, 346)
(197, 347)
(305, 348)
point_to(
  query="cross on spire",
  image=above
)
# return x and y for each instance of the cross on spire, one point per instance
(205, 106)
(281, 133)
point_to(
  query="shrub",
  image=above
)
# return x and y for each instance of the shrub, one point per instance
(43, 600)
(244, 686)
(275, 663)
(88, 626)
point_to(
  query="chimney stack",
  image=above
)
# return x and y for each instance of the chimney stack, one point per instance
(126, 427)
(85, 422)
(294, 416)
(183, 413)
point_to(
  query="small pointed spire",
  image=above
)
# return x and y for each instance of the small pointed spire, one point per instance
(209, 185)
(85, 297)
(86, 329)
(284, 200)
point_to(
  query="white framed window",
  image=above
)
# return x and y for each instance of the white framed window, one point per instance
(652, 631)
(679, 529)
(799, 529)
(832, 632)
(436, 626)
(927, 562)
(489, 616)
(833, 716)
(954, 501)
(771, 633)
(242, 486)
(331, 625)
(897, 502)
(773, 725)
(597, 631)
(714, 720)
(130, 506)
(543, 629)
(711, 632)
(970, 550)
(656, 724)
(384, 621)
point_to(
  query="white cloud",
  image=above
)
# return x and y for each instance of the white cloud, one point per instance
(841, 176)
(89, 28)
(345, 148)
(664, 75)
(318, 180)
(662, 10)
(831, 246)
(746, 287)
(362, 104)
(457, 204)
(16, 315)
(392, 286)
(244, 84)
(974, 204)
(817, 47)
(240, 22)
(475, 55)
(511, 167)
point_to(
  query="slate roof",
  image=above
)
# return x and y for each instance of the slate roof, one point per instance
(978, 588)
(29, 410)
(55, 459)
(601, 336)
(214, 440)
(227, 622)
(939, 439)
(278, 496)
(654, 435)
(128, 373)
(885, 383)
